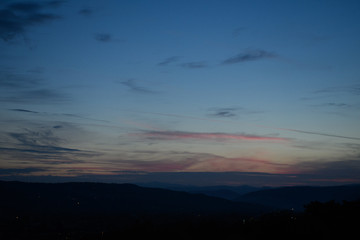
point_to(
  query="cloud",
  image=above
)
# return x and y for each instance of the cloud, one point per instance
(229, 112)
(330, 92)
(168, 61)
(28, 87)
(318, 133)
(10, 79)
(209, 169)
(38, 96)
(189, 65)
(224, 112)
(193, 168)
(340, 170)
(57, 115)
(133, 86)
(238, 31)
(258, 126)
(22, 110)
(40, 146)
(352, 89)
(333, 105)
(174, 161)
(103, 37)
(16, 18)
(176, 135)
(31, 138)
(164, 165)
(340, 105)
(250, 55)
(19, 171)
(240, 164)
(194, 65)
(86, 12)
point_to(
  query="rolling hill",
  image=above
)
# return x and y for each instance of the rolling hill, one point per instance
(297, 197)
(111, 199)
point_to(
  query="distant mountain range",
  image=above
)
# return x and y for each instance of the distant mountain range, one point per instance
(296, 197)
(111, 199)
(275, 198)
(222, 191)
(127, 199)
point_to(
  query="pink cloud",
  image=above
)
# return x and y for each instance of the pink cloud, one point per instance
(174, 135)
(238, 164)
(202, 162)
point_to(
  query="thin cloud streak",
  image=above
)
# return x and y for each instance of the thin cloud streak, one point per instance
(318, 133)
(22, 110)
(174, 135)
(230, 112)
(42, 145)
(67, 115)
(257, 125)
(103, 37)
(29, 88)
(194, 65)
(168, 61)
(133, 86)
(249, 56)
(352, 89)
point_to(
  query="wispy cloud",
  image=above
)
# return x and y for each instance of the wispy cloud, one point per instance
(338, 105)
(36, 138)
(103, 37)
(239, 164)
(173, 161)
(19, 171)
(330, 92)
(22, 110)
(194, 65)
(27, 87)
(229, 112)
(40, 146)
(57, 115)
(203, 169)
(238, 31)
(224, 112)
(189, 65)
(11, 79)
(37, 96)
(168, 61)
(258, 126)
(16, 18)
(352, 89)
(318, 133)
(250, 55)
(133, 86)
(340, 170)
(175, 135)
(86, 12)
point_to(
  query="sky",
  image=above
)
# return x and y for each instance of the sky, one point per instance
(215, 92)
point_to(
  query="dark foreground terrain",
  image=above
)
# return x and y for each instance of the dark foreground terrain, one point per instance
(125, 211)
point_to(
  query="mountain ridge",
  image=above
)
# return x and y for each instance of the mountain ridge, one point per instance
(105, 198)
(296, 197)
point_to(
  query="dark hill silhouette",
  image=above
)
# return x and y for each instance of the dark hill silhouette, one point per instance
(125, 211)
(221, 191)
(110, 199)
(297, 197)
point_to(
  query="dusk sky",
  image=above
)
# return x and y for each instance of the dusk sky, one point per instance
(186, 92)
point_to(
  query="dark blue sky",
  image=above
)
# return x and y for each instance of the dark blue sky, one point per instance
(159, 90)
